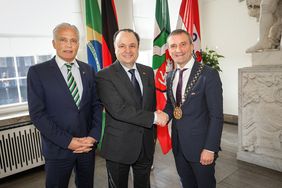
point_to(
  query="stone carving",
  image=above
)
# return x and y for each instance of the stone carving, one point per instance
(269, 13)
(261, 105)
(253, 8)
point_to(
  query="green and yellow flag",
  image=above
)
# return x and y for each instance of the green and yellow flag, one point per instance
(94, 34)
(100, 32)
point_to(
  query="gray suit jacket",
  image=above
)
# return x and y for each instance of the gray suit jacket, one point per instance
(129, 126)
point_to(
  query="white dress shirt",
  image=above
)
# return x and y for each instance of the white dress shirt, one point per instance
(75, 72)
(138, 78)
(185, 78)
(137, 75)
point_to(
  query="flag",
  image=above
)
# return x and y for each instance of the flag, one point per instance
(109, 27)
(189, 20)
(162, 64)
(100, 32)
(94, 34)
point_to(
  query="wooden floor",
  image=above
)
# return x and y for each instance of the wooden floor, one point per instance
(230, 173)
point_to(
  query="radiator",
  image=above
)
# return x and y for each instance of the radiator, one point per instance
(20, 149)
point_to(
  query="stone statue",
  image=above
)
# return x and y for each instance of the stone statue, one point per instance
(253, 8)
(269, 13)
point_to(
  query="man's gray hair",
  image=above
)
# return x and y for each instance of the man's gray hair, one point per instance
(64, 26)
(180, 31)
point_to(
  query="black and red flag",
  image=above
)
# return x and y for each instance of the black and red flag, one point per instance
(109, 27)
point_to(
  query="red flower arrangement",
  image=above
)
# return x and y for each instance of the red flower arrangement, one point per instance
(198, 55)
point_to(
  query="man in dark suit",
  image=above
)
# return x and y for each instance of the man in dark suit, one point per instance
(127, 90)
(195, 104)
(65, 108)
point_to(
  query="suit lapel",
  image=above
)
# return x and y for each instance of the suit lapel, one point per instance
(57, 74)
(144, 78)
(193, 73)
(170, 79)
(123, 75)
(83, 76)
(125, 80)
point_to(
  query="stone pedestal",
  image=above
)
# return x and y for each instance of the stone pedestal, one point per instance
(271, 57)
(260, 114)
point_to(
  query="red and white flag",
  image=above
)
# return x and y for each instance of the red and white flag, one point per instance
(162, 64)
(189, 20)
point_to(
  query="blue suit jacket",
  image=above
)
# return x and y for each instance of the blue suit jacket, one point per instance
(53, 111)
(201, 124)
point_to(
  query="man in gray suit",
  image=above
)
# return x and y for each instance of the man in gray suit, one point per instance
(127, 90)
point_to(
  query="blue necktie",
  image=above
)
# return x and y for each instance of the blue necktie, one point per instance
(135, 84)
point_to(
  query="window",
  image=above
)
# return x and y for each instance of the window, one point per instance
(24, 37)
(13, 72)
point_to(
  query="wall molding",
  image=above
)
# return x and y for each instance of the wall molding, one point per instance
(230, 119)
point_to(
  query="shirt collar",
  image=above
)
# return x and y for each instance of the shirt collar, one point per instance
(62, 62)
(188, 65)
(127, 69)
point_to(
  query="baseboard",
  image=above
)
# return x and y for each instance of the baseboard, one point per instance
(230, 119)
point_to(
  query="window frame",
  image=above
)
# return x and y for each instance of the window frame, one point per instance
(14, 109)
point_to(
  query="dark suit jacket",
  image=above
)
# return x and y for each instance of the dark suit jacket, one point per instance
(128, 125)
(201, 124)
(53, 111)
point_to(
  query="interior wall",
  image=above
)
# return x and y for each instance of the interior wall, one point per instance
(227, 28)
(26, 26)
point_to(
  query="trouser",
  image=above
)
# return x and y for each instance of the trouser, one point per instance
(118, 172)
(58, 171)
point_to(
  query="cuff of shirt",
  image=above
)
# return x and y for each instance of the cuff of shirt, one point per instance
(155, 118)
(209, 151)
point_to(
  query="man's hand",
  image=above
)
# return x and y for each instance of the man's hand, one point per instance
(162, 118)
(207, 157)
(88, 140)
(81, 145)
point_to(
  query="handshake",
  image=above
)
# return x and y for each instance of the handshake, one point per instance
(161, 118)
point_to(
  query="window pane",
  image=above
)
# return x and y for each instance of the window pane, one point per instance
(42, 58)
(7, 67)
(8, 92)
(23, 64)
(23, 88)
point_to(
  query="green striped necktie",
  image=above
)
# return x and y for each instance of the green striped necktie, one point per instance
(72, 84)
